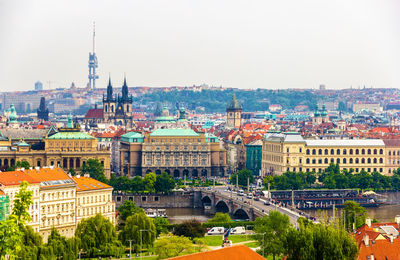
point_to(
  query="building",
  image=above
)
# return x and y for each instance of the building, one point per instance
(179, 152)
(59, 200)
(93, 197)
(368, 106)
(392, 154)
(378, 240)
(43, 111)
(320, 116)
(254, 156)
(117, 110)
(167, 121)
(38, 85)
(282, 152)
(233, 114)
(66, 147)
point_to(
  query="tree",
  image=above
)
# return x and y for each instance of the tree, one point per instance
(19, 164)
(190, 228)
(164, 183)
(98, 237)
(62, 247)
(22, 201)
(128, 208)
(354, 215)
(95, 169)
(149, 181)
(220, 218)
(10, 238)
(274, 227)
(131, 231)
(161, 225)
(168, 246)
(31, 243)
(137, 184)
(243, 175)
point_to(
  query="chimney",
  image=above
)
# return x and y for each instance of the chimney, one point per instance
(368, 221)
(366, 240)
(397, 219)
(372, 257)
(86, 175)
(391, 239)
(37, 168)
(23, 169)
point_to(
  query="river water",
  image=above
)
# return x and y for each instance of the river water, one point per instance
(383, 213)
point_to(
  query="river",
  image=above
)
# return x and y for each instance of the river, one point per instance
(179, 215)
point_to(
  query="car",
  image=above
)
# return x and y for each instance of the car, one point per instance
(216, 231)
(267, 202)
(249, 196)
(256, 198)
(208, 188)
(238, 231)
(240, 193)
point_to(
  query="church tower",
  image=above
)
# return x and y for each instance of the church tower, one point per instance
(125, 101)
(109, 103)
(43, 111)
(234, 113)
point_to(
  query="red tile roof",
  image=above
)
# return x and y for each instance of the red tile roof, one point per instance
(241, 252)
(94, 113)
(15, 178)
(87, 183)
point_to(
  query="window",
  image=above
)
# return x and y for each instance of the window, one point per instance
(357, 161)
(332, 151)
(326, 160)
(363, 160)
(357, 151)
(338, 151)
(320, 151)
(351, 160)
(344, 160)
(375, 151)
(390, 153)
(307, 161)
(351, 151)
(375, 160)
(344, 151)
(320, 161)
(338, 160)
(380, 160)
(326, 151)
(313, 151)
(369, 160)
(308, 151)
(381, 151)
(363, 151)
(369, 151)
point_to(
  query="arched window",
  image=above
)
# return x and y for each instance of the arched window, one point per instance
(326, 160)
(338, 160)
(375, 160)
(332, 160)
(375, 151)
(351, 151)
(320, 151)
(313, 151)
(363, 151)
(344, 151)
(344, 160)
(313, 161)
(390, 153)
(308, 151)
(332, 151)
(357, 151)
(380, 160)
(362, 160)
(326, 151)
(351, 160)
(357, 161)
(369, 160)
(381, 151)
(338, 151)
(307, 160)
(369, 151)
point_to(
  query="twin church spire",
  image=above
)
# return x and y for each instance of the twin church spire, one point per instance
(124, 98)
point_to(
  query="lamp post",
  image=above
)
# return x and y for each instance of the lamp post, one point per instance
(141, 241)
(130, 248)
(262, 242)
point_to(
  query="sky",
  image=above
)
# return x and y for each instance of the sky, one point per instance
(240, 44)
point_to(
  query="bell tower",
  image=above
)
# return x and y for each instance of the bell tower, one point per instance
(233, 114)
(109, 102)
(126, 100)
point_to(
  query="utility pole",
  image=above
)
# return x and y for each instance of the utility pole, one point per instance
(237, 180)
(293, 199)
(130, 248)
(141, 241)
(214, 183)
(248, 185)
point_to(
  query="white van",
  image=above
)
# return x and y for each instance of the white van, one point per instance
(216, 231)
(238, 231)
(240, 193)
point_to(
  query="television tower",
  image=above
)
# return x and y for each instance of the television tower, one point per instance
(93, 63)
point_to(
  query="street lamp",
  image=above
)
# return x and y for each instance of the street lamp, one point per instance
(262, 242)
(141, 241)
(130, 247)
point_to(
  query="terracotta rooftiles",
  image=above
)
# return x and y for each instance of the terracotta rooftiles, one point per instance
(15, 178)
(87, 183)
(94, 113)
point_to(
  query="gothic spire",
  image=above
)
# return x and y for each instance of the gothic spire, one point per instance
(109, 90)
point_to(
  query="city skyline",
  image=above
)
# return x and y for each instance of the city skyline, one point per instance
(179, 43)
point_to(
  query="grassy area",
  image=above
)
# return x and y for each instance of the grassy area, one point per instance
(217, 240)
(253, 244)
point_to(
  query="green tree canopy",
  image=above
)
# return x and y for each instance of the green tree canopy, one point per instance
(168, 246)
(149, 182)
(22, 201)
(95, 169)
(275, 226)
(98, 237)
(354, 215)
(220, 218)
(131, 231)
(161, 225)
(243, 175)
(128, 208)
(19, 164)
(164, 183)
(190, 228)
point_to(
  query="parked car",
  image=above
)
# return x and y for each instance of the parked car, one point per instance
(238, 231)
(249, 196)
(267, 202)
(256, 198)
(216, 231)
(240, 193)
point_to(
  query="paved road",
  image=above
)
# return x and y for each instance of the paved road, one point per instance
(293, 216)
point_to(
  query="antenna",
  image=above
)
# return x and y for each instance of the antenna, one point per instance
(94, 34)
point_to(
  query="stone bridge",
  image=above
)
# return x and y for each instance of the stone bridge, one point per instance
(213, 202)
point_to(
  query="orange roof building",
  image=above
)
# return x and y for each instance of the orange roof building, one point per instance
(241, 252)
(377, 241)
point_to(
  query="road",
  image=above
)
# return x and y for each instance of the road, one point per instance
(293, 216)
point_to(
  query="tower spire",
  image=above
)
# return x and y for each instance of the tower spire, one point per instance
(94, 35)
(93, 64)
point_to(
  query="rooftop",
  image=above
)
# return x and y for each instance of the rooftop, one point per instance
(346, 142)
(87, 183)
(71, 135)
(174, 132)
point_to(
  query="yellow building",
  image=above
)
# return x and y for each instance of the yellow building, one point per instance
(179, 152)
(289, 151)
(59, 200)
(67, 148)
(93, 197)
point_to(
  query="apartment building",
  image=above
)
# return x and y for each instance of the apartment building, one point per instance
(289, 151)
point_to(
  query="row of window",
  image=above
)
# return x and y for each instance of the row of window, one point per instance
(344, 160)
(57, 195)
(300, 169)
(87, 212)
(95, 199)
(342, 151)
(394, 152)
(169, 140)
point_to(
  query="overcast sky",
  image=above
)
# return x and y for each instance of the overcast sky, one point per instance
(243, 44)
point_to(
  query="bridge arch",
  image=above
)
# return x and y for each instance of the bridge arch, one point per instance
(221, 206)
(206, 200)
(241, 214)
